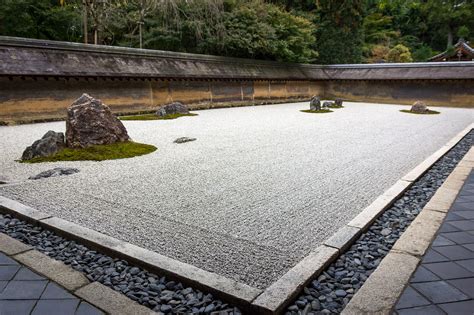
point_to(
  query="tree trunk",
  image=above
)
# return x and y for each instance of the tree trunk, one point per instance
(450, 37)
(141, 36)
(84, 17)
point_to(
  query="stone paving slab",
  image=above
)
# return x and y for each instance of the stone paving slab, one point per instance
(444, 281)
(53, 269)
(23, 291)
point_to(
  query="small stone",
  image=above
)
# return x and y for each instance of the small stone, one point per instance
(341, 293)
(209, 308)
(386, 231)
(58, 171)
(315, 305)
(165, 308)
(184, 140)
(293, 308)
(328, 104)
(134, 271)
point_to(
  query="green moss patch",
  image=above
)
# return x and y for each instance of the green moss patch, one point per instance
(155, 117)
(119, 150)
(429, 112)
(336, 106)
(322, 111)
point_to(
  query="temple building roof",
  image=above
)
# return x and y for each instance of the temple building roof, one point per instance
(462, 52)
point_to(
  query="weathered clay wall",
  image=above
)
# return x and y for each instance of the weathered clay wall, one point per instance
(35, 99)
(28, 99)
(451, 93)
(39, 79)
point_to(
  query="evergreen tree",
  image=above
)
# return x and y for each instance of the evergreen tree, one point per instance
(340, 33)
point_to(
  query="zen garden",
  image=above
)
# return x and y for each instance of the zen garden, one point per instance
(229, 157)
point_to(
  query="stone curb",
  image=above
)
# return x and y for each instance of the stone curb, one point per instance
(387, 282)
(276, 297)
(291, 283)
(96, 294)
(419, 170)
(232, 291)
(111, 301)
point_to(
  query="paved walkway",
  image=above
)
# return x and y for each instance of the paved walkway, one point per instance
(23, 291)
(444, 282)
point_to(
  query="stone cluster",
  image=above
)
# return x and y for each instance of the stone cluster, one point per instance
(333, 289)
(154, 291)
(89, 122)
(315, 104)
(171, 109)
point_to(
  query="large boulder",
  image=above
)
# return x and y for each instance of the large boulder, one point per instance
(91, 122)
(173, 108)
(315, 103)
(419, 107)
(51, 143)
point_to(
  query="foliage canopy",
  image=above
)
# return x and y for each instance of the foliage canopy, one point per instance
(308, 31)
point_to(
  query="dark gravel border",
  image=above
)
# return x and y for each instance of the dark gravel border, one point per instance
(333, 289)
(151, 290)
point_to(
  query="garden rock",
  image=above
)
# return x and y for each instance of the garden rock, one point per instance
(51, 143)
(328, 104)
(184, 139)
(338, 102)
(58, 171)
(419, 107)
(315, 103)
(3, 180)
(91, 122)
(173, 108)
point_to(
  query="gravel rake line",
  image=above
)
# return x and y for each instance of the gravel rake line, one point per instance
(332, 290)
(153, 291)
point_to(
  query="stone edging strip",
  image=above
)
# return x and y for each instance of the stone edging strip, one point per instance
(96, 294)
(382, 289)
(277, 296)
(274, 298)
(234, 292)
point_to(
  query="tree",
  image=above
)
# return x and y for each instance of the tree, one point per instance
(339, 34)
(448, 16)
(43, 19)
(399, 53)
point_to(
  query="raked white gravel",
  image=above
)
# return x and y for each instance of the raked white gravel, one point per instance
(259, 188)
